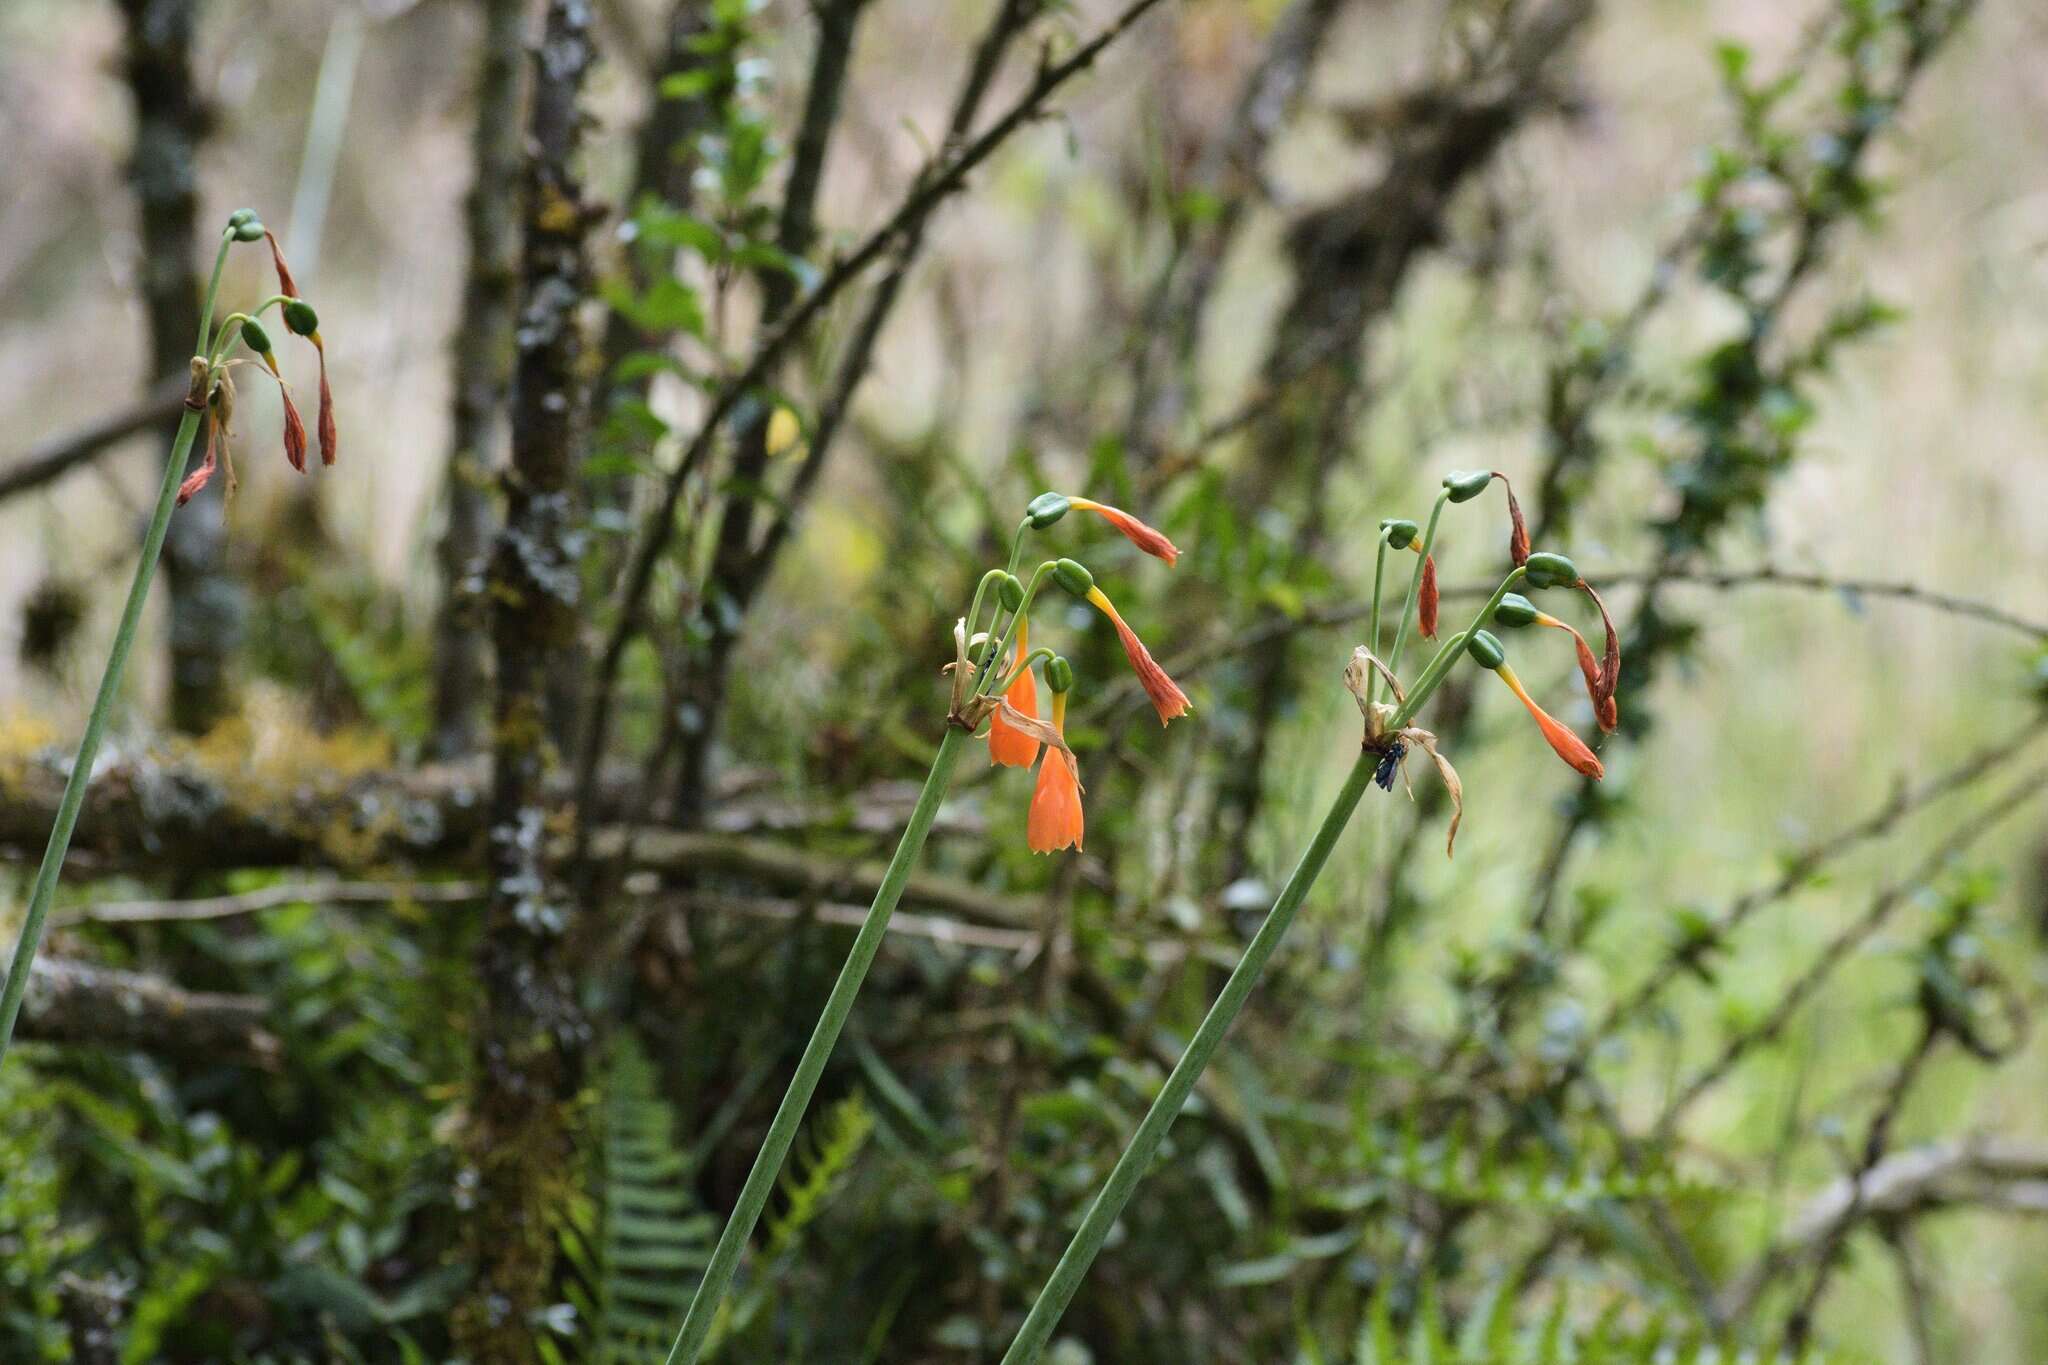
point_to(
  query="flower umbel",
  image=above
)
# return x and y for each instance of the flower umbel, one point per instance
(212, 388)
(992, 677)
(1390, 734)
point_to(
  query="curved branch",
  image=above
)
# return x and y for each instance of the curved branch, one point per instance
(55, 458)
(1995, 1174)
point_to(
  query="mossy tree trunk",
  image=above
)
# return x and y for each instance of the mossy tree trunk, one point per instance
(531, 1032)
(483, 376)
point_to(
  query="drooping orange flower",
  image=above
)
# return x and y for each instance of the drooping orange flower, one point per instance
(1426, 600)
(1007, 745)
(1167, 698)
(1055, 819)
(1568, 746)
(1135, 531)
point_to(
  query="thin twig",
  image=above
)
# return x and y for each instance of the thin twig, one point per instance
(1800, 869)
(1882, 906)
(1330, 615)
(55, 458)
(269, 898)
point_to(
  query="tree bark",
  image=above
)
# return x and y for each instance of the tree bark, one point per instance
(531, 1031)
(207, 605)
(483, 376)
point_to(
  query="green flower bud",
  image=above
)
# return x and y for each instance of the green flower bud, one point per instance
(1515, 610)
(248, 230)
(1059, 674)
(256, 338)
(299, 318)
(1010, 592)
(1486, 649)
(1467, 484)
(241, 216)
(1045, 509)
(1073, 575)
(1400, 533)
(1547, 570)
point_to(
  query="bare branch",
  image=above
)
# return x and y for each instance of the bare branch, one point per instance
(806, 875)
(1995, 1174)
(55, 458)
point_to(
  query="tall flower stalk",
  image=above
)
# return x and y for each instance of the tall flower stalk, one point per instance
(211, 397)
(989, 671)
(1389, 736)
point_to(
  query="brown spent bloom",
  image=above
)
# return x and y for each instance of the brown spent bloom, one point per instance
(294, 431)
(1426, 600)
(286, 285)
(1518, 529)
(330, 444)
(1605, 708)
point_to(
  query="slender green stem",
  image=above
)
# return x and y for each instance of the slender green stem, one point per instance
(974, 607)
(1379, 572)
(1415, 584)
(1009, 680)
(1017, 544)
(1144, 1145)
(103, 704)
(1440, 666)
(998, 645)
(789, 1115)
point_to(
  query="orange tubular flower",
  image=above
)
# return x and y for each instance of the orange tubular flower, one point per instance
(1167, 699)
(1135, 531)
(1055, 820)
(1569, 746)
(1007, 745)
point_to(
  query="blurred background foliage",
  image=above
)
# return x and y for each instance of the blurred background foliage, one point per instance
(1730, 1051)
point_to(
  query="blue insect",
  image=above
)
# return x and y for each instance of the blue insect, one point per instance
(1390, 760)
